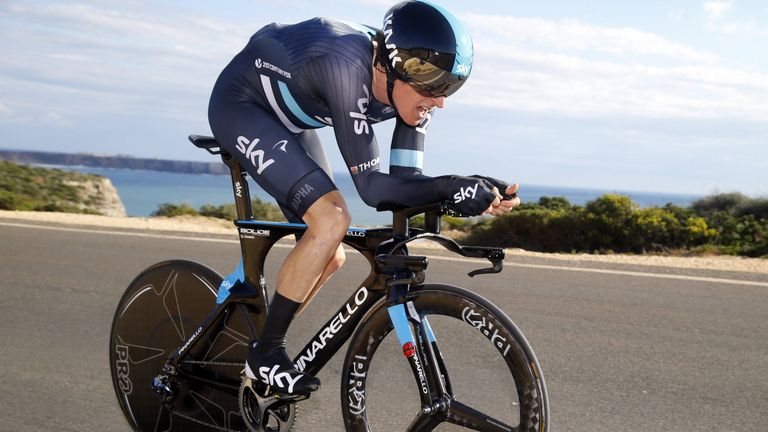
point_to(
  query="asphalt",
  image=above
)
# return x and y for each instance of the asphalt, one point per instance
(622, 348)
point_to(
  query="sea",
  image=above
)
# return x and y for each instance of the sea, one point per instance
(142, 192)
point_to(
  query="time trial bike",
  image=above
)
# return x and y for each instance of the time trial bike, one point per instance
(181, 334)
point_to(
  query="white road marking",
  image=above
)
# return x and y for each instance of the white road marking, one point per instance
(438, 258)
(620, 272)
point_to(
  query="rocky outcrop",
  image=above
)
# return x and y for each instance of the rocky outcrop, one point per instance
(97, 193)
(24, 187)
(120, 162)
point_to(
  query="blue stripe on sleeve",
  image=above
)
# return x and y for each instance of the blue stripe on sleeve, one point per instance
(294, 107)
(406, 158)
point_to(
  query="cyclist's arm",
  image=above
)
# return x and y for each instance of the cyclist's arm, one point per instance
(347, 94)
(406, 157)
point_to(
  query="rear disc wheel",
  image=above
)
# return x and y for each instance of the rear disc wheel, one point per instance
(161, 309)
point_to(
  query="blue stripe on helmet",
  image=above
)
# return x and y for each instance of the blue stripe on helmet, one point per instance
(463, 63)
(294, 107)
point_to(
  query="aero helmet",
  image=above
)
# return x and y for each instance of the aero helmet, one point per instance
(425, 46)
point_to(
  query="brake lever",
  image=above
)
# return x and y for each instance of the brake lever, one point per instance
(494, 255)
(498, 265)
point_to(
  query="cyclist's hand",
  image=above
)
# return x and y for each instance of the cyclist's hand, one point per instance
(506, 203)
(506, 193)
(471, 196)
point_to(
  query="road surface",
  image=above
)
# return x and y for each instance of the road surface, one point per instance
(623, 348)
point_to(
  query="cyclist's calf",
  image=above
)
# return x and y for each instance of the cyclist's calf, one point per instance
(316, 256)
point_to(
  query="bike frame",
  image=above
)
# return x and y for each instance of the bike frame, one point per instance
(392, 273)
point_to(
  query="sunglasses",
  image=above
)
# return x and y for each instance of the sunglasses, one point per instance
(430, 80)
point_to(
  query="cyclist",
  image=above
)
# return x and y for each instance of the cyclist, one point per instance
(292, 79)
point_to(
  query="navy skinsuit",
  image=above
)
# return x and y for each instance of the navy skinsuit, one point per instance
(292, 79)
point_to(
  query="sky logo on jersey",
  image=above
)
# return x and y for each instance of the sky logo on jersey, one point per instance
(361, 119)
(281, 146)
(256, 156)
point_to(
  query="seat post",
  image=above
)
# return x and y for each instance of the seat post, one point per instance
(239, 187)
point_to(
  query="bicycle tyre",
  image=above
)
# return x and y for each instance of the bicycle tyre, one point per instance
(452, 311)
(157, 313)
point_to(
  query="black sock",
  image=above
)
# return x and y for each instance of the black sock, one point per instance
(281, 313)
(268, 362)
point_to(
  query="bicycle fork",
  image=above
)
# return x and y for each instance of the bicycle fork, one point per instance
(423, 354)
(419, 346)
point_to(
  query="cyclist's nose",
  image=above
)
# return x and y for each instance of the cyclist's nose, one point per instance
(439, 101)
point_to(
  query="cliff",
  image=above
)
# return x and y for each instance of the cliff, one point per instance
(41, 189)
(97, 193)
(123, 162)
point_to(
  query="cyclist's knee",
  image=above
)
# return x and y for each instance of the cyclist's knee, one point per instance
(328, 217)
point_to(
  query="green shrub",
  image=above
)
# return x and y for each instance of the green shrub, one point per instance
(30, 188)
(757, 207)
(261, 211)
(172, 210)
(532, 228)
(612, 223)
(608, 223)
(446, 223)
(725, 202)
(13, 201)
(555, 203)
(226, 211)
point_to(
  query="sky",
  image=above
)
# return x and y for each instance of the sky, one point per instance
(667, 96)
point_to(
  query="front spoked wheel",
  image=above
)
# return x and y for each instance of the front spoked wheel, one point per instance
(490, 379)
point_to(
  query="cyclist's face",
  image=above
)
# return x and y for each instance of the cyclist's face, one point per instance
(411, 105)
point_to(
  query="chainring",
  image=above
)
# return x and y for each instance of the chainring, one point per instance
(264, 411)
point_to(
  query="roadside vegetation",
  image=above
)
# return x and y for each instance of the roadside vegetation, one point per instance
(731, 224)
(30, 188)
(728, 223)
(261, 211)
